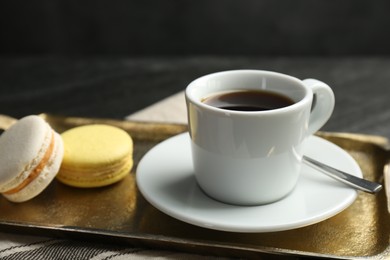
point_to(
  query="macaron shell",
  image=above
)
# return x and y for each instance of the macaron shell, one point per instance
(21, 147)
(95, 156)
(95, 145)
(44, 178)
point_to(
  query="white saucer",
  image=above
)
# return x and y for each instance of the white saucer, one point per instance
(165, 178)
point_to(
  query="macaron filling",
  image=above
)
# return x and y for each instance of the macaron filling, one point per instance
(95, 177)
(37, 170)
(95, 170)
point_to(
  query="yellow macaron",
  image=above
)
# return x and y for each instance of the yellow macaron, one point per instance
(95, 156)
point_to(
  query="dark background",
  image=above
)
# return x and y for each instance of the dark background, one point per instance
(203, 27)
(108, 59)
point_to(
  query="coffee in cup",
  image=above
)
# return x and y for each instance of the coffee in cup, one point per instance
(248, 100)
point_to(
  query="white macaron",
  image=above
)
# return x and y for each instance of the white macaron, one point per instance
(31, 153)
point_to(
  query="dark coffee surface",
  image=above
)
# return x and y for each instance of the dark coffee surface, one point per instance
(249, 100)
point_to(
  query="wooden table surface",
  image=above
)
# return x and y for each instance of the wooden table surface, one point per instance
(117, 86)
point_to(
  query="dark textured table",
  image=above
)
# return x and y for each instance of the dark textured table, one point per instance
(116, 87)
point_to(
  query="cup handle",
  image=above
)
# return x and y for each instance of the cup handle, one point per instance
(322, 105)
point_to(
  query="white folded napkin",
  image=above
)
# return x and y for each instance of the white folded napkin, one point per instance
(169, 110)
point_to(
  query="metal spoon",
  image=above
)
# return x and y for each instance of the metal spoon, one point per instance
(353, 181)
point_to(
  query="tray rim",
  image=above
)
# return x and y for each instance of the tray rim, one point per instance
(163, 242)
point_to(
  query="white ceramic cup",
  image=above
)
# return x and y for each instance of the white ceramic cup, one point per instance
(253, 158)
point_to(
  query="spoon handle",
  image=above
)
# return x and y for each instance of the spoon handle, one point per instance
(356, 182)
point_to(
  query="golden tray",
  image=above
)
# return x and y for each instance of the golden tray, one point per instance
(118, 213)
